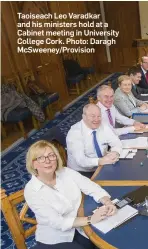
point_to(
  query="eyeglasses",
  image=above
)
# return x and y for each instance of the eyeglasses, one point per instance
(42, 159)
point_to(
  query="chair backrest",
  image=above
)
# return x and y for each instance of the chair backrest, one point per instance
(72, 67)
(55, 136)
(16, 218)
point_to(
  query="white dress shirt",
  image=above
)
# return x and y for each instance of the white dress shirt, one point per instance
(56, 207)
(116, 117)
(81, 152)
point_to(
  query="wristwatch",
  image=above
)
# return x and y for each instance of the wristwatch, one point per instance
(89, 220)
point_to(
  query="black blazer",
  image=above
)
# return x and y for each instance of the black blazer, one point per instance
(137, 91)
(143, 83)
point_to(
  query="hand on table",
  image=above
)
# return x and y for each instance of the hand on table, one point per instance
(143, 107)
(110, 158)
(111, 209)
(139, 126)
(100, 214)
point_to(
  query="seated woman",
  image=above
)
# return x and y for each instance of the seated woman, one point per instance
(125, 101)
(54, 195)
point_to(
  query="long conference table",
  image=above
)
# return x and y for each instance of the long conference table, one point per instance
(119, 179)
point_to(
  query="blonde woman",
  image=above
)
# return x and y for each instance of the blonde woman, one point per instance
(125, 101)
(54, 195)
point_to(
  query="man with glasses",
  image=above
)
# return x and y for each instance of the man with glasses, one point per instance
(88, 141)
(144, 71)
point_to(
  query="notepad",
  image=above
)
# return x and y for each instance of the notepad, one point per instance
(114, 221)
(139, 143)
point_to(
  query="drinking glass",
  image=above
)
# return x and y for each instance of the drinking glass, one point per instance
(146, 203)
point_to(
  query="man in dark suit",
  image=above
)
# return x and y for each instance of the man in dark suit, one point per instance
(135, 75)
(144, 71)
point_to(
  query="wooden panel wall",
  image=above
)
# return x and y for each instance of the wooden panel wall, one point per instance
(51, 76)
(123, 17)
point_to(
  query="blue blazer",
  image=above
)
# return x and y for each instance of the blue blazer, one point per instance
(143, 83)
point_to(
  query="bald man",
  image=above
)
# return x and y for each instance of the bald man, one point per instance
(88, 140)
(111, 116)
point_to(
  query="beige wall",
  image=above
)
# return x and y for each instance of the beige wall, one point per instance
(143, 11)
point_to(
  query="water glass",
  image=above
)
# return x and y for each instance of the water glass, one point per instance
(146, 203)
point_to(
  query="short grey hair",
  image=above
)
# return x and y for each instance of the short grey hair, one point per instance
(85, 108)
(103, 88)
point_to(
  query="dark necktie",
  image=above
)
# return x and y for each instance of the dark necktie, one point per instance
(136, 89)
(110, 117)
(146, 76)
(97, 148)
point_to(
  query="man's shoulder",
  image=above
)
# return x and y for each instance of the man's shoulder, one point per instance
(75, 128)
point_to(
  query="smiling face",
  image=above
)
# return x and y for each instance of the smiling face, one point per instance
(46, 162)
(92, 117)
(106, 97)
(144, 63)
(126, 86)
(136, 78)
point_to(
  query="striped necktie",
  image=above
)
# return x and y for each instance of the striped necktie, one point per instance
(110, 117)
(96, 145)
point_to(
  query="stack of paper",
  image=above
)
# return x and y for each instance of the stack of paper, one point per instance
(139, 143)
(120, 217)
(128, 153)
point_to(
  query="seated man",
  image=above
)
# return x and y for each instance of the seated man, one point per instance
(88, 141)
(144, 71)
(110, 115)
(135, 75)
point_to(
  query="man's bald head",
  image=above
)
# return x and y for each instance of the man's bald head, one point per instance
(92, 116)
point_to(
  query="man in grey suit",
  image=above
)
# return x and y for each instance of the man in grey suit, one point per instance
(125, 101)
(138, 92)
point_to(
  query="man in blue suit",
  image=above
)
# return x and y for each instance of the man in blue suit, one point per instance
(144, 71)
(135, 75)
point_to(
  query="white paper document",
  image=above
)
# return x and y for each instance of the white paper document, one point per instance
(120, 217)
(139, 143)
(144, 94)
(128, 153)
